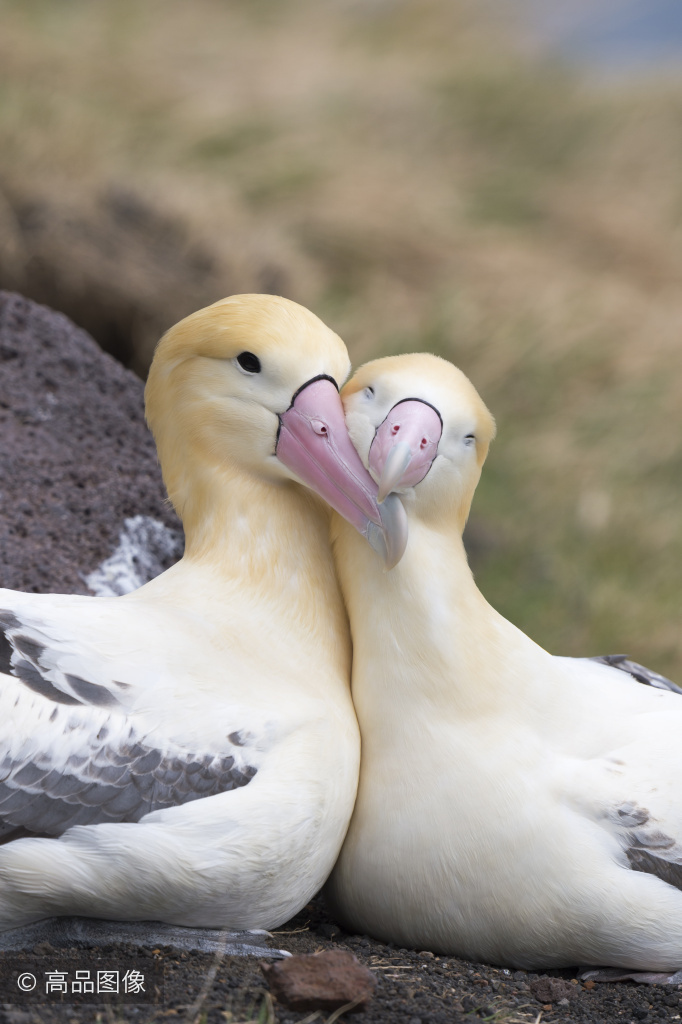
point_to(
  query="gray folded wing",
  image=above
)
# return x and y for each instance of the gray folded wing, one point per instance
(638, 672)
(647, 848)
(71, 754)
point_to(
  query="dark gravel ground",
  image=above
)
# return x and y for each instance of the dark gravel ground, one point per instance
(414, 987)
(75, 460)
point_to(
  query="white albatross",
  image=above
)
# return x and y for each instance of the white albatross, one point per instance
(193, 744)
(513, 807)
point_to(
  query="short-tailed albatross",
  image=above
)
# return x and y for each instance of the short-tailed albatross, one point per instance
(513, 807)
(193, 744)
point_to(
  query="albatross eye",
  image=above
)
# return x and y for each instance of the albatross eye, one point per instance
(469, 439)
(248, 362)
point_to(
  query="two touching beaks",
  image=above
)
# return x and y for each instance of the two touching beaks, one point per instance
(313, 442)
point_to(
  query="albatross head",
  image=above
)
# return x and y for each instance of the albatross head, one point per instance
(249, 387)
(422, 430)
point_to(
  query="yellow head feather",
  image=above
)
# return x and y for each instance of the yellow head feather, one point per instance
(436, 381)
(207, 418)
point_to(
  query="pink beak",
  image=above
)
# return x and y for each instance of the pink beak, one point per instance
(313, 443)
(405, 445)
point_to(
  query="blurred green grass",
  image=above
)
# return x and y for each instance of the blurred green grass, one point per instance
(422, 182)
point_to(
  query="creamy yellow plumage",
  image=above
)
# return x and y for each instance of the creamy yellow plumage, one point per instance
(513, 806)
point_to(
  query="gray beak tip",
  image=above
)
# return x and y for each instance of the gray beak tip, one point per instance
(390, 540)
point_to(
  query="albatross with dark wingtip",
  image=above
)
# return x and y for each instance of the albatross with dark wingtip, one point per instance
(191, 748)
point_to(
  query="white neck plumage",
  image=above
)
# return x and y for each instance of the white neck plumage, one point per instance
(424, 635)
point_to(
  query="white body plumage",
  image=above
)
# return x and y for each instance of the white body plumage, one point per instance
(191, 748)
(513, 807)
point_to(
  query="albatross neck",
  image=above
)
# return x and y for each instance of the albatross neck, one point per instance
(423, 634)
(264, 536)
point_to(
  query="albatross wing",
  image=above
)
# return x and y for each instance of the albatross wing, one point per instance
(77, 748)
(643, 675)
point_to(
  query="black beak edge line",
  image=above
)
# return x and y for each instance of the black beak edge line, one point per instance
(422, 400)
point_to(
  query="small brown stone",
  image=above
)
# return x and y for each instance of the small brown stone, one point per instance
(551, 990)
(323, 981)
(44, 949)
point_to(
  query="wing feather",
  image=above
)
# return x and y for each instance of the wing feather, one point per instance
(643, 675)
(647, 848)
(72, 753)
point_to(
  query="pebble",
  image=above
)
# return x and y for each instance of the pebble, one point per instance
(323, 981)
(551, 990)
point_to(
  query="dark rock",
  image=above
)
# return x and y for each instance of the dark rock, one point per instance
(323, 981)
(76, 458)
(551, 990)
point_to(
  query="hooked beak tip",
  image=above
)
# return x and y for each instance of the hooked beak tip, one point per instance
(395, 466)
(390, 539)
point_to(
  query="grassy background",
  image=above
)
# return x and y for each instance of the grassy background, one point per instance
(421, 182)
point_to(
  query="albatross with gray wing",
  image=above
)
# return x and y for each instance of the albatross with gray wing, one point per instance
(188, 752)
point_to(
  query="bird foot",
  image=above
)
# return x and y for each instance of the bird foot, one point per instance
(65, 932)
(623, 974)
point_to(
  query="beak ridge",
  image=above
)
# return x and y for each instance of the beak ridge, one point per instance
(397, 461)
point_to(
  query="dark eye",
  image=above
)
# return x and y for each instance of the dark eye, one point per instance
(470, 438)
(249, 362)
(369, 391)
